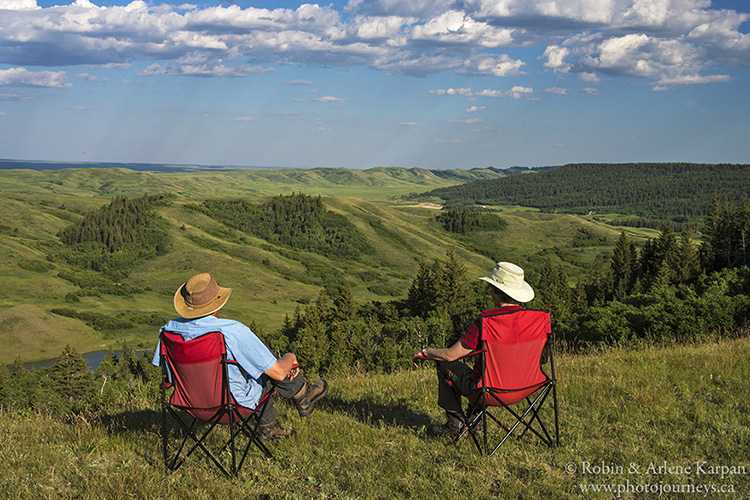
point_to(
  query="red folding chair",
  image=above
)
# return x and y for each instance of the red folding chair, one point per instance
(197, 370)
(512, 348)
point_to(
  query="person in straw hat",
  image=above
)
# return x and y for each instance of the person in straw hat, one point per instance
(198, 302)
(508, 289)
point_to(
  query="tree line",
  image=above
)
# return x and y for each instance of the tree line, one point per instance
(670, 190)
(296, 221)
(117, 236)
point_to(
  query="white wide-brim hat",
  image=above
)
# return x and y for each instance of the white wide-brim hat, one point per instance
(508, 278)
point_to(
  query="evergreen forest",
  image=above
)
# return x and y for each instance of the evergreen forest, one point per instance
(674, 191)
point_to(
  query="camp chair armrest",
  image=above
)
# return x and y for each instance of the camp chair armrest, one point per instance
(472, 353)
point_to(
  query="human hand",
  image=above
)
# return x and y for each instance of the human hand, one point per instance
(293, 372)
(418, 356)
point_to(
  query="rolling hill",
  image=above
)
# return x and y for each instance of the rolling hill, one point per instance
(270, 280)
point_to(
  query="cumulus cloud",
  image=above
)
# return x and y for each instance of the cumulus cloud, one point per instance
(668, 42)
(474, 109)
(516, 92)
(25, 78)
(330, 99)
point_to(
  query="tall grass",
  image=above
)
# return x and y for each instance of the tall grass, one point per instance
(684, 407)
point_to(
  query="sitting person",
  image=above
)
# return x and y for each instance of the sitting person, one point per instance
(198, 302)
(508, 290)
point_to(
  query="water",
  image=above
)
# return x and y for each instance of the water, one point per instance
(93, 359)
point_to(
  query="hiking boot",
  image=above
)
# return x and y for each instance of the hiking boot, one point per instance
(309, 395)
(274, 431)
(450, 428)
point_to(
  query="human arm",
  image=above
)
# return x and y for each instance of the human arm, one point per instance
(285, 367)
(452, 353)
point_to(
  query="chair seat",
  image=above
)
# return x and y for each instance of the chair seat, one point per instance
(197, 371)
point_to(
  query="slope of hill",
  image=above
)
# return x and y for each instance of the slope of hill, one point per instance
(651, 190)
(270, 280)
(380, 183)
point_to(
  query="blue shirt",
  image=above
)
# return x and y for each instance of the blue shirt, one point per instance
(243, 346)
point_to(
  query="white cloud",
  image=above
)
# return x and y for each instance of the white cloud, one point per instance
(329, 99)
(452, 91)
(26, 78)
(18, 4)
(474, 109)
(555, 91)
(660, 40)
(298, 82)
(408, 124)
(554, 57)
(246, 119)
(516, 93)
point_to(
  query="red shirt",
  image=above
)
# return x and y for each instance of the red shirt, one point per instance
(470, 339)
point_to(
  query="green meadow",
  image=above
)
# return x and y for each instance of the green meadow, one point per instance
(269, 281)
(672, 419)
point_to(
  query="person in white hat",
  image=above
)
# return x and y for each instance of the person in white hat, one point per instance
(198, 302)
(508, 289)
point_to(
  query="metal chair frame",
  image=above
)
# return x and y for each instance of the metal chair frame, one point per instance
(249, 425)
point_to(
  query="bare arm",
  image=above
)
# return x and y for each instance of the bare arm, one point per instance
(451, 353)
(282, 368)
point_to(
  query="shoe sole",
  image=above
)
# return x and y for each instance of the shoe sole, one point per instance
(305, 413)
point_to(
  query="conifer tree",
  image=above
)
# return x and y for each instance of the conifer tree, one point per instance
(344, 307)
(72, 379)
(554, 290)
(452, 287)
(421, 296)
(599, 282)
(689, 261)
(623, 267)
(18, 370)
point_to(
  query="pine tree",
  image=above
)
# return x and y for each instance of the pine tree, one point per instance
(689, 261)
(421, 296)
(452, 288)
(668, 254)
(18, 370)
(599, 283)
(623, 267)
(72, 379)
(344, 307)
(554, 290)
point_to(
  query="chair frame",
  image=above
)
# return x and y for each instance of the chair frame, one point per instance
(249, 425)
(480, 409)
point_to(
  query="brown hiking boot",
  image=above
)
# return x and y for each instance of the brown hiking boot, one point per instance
(450, 428)
(274, 431)
(309, 395)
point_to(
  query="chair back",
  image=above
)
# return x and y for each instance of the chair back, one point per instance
(512, 348)
(197, 369)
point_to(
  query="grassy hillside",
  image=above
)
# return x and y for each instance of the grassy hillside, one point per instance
(665, 411)
(381, 183)
(270, 281)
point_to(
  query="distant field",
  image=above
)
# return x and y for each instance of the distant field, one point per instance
(269, 282)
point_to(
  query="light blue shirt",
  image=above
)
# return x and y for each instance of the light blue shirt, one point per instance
(243, 346)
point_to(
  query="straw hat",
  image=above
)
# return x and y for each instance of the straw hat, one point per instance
(200, 296)
(509, 279)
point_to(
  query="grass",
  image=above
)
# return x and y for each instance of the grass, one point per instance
(680, 406)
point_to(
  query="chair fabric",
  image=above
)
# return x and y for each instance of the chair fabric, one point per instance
(197, 371)
(512, 346)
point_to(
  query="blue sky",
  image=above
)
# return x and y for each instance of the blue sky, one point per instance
(367, 83)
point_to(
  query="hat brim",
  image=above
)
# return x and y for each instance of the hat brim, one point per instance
(211, 307)
(523, 294)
